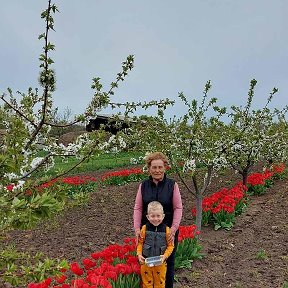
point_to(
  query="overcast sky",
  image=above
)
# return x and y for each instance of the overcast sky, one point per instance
(178, 46)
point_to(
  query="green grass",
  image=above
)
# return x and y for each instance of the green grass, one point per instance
(261, 255)
(101, 162)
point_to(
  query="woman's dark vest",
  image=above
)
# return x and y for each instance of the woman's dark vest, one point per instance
(155, 242)
(163, 193)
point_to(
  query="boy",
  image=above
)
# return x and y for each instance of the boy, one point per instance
(154, 242)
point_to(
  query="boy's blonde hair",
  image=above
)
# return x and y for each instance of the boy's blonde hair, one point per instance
(155, 205)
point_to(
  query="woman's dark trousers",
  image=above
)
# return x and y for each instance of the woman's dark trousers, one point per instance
(170, 264)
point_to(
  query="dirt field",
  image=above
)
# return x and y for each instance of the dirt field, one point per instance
(253, 254)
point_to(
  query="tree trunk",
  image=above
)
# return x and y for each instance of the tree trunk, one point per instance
(199, 200)
(245, 177)
(245, 173)
(199, 195)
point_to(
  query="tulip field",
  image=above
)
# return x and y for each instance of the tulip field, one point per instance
(199, 255)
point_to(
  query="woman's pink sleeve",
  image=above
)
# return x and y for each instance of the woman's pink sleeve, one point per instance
(138, 207)
(177, 207)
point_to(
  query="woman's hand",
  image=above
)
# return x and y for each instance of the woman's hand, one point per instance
(172, 235)
(137, 234)
(141, 259)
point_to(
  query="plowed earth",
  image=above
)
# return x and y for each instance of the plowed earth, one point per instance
(254, 253)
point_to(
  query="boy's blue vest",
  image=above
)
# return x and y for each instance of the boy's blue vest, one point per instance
(155, 242)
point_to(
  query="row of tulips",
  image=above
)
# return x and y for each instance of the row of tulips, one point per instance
(123, 176)
(120, 177)
(258, 182)
(80, 183)
(117, 265)
(222, 207)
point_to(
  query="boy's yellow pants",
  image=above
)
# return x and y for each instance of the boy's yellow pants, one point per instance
(153, 277)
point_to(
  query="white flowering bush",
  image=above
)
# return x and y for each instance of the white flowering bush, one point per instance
(254, 135)
(27, 148)
(201, 143)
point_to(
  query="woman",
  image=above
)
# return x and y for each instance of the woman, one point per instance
(166, 191)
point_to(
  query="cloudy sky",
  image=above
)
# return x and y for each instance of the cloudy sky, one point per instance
(178, 46)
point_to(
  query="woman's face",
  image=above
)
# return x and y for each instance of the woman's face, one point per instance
(157, 169)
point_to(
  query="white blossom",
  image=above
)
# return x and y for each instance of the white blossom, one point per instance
(189, 165)
(10, 176)
(122, 142)
(36, 162)
(133, 161)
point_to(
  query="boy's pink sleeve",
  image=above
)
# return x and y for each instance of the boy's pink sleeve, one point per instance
(138, 207)
(177, 207)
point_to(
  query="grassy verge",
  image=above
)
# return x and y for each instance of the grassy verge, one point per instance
(101, 162)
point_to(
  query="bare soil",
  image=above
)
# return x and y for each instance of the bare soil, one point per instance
(254, 253)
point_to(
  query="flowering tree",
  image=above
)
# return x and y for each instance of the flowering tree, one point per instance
(203, 144)
(254, 135)
(276, 150)
(28, 123)
(192, 141)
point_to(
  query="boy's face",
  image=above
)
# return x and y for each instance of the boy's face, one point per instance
(155, 217)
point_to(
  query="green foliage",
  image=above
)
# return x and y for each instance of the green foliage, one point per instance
(187, 251)
(95, 163)
(207, 217)
(224, 220)
(241, 206)
(261, 255)
(280, 176)
(25, 211)
(124, 281)
(19, 268)
(256, 189)
(73, 191)
(122, 180)
(6, 164)
(268, 183)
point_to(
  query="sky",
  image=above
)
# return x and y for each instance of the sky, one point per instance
(178, 46)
